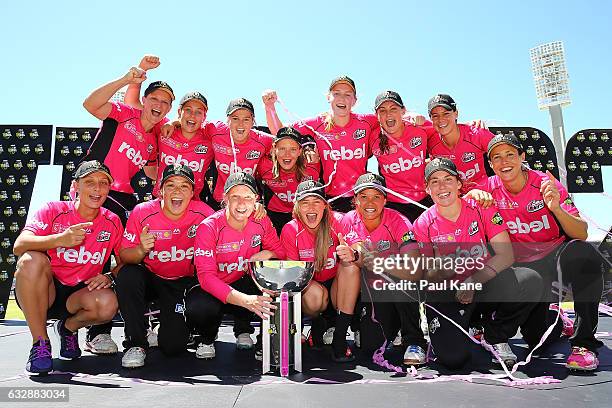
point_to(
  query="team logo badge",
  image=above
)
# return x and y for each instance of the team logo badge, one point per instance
(149, 148)
(253, 155)
(473, 228)
(383, 245)
(568, 201)
(103, 236)
(191, 232)
(359, 134)
(535, 205)
(497, 219)
(179, 308)
(408, 236)
(468, 157)
(416, 142)
(434, 325)
(256, 241)
(201, 149)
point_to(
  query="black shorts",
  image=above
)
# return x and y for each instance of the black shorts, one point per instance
(58, 309)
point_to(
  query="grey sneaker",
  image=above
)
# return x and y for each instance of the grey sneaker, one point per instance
(134, 357)
(397, 342)
(328, 336)
(102, 344)
(205, 351)
(505, 353)
(415, 355)
(244, 341)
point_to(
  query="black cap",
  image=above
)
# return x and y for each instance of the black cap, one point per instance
(308, 140)
(240, 103)
(288, 132)
(240, 178)
(343, 79)
(442, 100)
(194, 95)
(508, 139)
(91, 166)
(370, 180)
(178, 170)
(310, 188)
(440, 164)
(159, 85)
(388, 96)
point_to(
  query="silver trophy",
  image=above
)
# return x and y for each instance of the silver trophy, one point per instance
(282, 333)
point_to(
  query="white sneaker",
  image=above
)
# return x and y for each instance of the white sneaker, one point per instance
(505, 353)
(397, 342)
(205, 351)
(134, 357)
(414, 355)
(328, 336)
(152, 338)
(244, 341)
(101, 344)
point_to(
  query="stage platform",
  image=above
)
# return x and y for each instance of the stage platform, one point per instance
(234, 379)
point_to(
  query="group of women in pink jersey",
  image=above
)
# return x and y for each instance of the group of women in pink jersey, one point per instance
(431, 197)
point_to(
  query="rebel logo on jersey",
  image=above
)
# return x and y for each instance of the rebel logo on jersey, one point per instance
(173, 255)
(82, 256)
(345, 154)
(518, 227)
(132, 154)
(404, 164)
(194, 165)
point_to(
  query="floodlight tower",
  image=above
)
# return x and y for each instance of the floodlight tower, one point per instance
(552, 90)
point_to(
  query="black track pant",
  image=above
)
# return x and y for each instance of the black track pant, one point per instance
(504, 302)
(204, 312)
(135, 287)
(582, 267)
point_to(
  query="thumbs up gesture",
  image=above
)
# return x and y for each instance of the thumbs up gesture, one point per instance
(147, 240)
(345, 253)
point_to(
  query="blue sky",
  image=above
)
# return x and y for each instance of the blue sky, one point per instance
(55, 53)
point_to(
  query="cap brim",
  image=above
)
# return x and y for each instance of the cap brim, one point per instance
(254, 190)
(195, 99)
(451, 172)
(238, 108)
(342, 81)
(370, 185)
(302, 196)
(106, 173)
(388, 99)
(192, 182)
(501, 142)
(444, 105)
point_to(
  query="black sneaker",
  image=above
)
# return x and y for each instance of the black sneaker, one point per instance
(315, 337)
(40, 361)
(69, 342)
(343, 357)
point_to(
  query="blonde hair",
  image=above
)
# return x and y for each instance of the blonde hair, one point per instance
(323, 236)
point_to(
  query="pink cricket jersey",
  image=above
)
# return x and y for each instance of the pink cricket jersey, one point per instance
(530, 223)
(222, 253)
(299, 242)
(245, 157)
(77, 264)
(349, 149)
(123, 145)
(172, 255)
(466, 237)
(403, 166)
(196, 153)
(468, 153)
(389, 237)
(285, 185)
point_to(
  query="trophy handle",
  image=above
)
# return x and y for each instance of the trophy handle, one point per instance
(284, 332)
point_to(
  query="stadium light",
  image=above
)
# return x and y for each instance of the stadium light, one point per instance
(552, 90)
